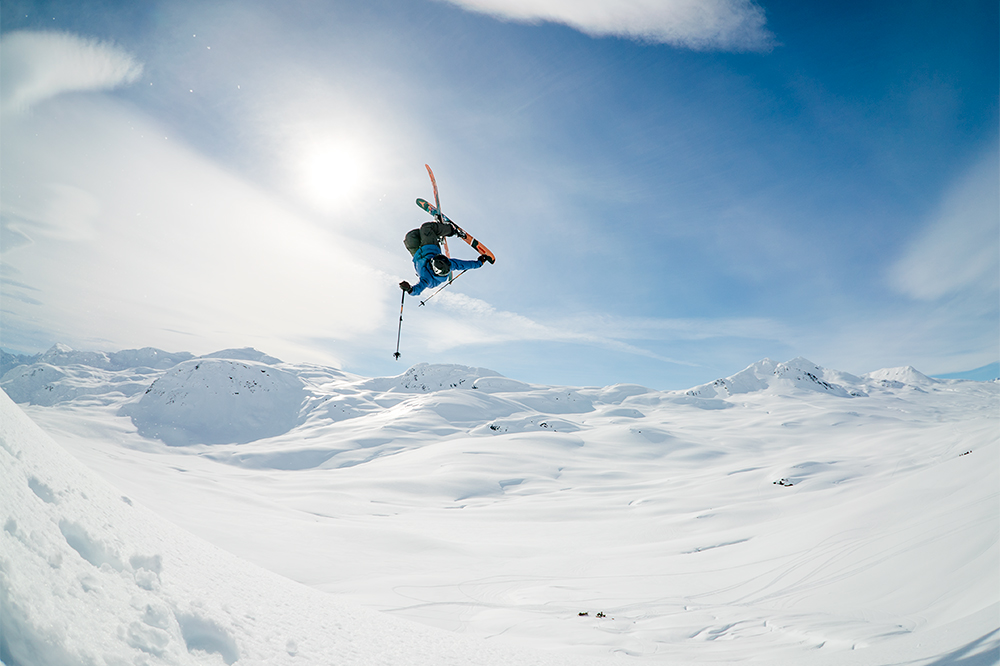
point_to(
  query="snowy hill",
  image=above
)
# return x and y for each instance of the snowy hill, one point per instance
(789, 514)
(215, 400)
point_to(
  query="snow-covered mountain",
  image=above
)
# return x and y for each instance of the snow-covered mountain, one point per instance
(788, 513)
(147, 357)
(797, 374)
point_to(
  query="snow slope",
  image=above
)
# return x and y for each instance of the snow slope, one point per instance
(88, 576)
(786, 514)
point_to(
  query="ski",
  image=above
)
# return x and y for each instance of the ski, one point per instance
(459, 231)
(439, 215)
(437, 200)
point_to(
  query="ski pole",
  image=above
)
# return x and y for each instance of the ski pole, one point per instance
(400, 331)
(439, 289)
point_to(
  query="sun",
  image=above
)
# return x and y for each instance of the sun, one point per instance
(331, 171)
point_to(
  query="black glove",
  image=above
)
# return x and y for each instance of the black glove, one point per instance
(483, 259)
(405, 286)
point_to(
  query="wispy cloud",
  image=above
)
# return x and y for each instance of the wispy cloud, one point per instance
(52, 210)
(35, 66)
(959, 249)
(153, 244)
(466, 320)
(731, 25)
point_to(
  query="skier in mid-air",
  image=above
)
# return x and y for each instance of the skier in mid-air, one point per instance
(432, 266)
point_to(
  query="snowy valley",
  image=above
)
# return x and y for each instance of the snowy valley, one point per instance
(231, 508)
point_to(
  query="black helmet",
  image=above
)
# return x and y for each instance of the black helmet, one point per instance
(441, 265)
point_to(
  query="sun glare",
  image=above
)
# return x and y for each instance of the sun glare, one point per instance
(331, 172)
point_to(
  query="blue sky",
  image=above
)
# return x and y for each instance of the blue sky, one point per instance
(673, 190)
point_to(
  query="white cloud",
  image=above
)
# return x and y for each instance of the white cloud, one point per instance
(736, 25)
(53, 210)
(463, 320)
(152, 244)
(959, 249)
(35, 66)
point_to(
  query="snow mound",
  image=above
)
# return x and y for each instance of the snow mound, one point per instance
(767, 375)
(426, 377)
(557, 400)
(527, 424)
(219, 401)
(617, 393)
(39, 384)
(500, 385)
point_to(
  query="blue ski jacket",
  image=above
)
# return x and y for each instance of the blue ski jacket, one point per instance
(428, 279)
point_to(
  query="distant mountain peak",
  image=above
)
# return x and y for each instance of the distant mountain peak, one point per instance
(767, 375)
(906, 374)
(244, 354)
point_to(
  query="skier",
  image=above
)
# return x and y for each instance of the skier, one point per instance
(433, 267)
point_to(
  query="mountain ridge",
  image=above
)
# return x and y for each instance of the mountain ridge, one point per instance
(241, 395)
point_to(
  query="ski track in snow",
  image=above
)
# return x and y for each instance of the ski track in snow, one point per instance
(789, 513)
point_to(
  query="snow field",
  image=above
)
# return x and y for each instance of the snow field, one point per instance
(87, 575)
(789, 514)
